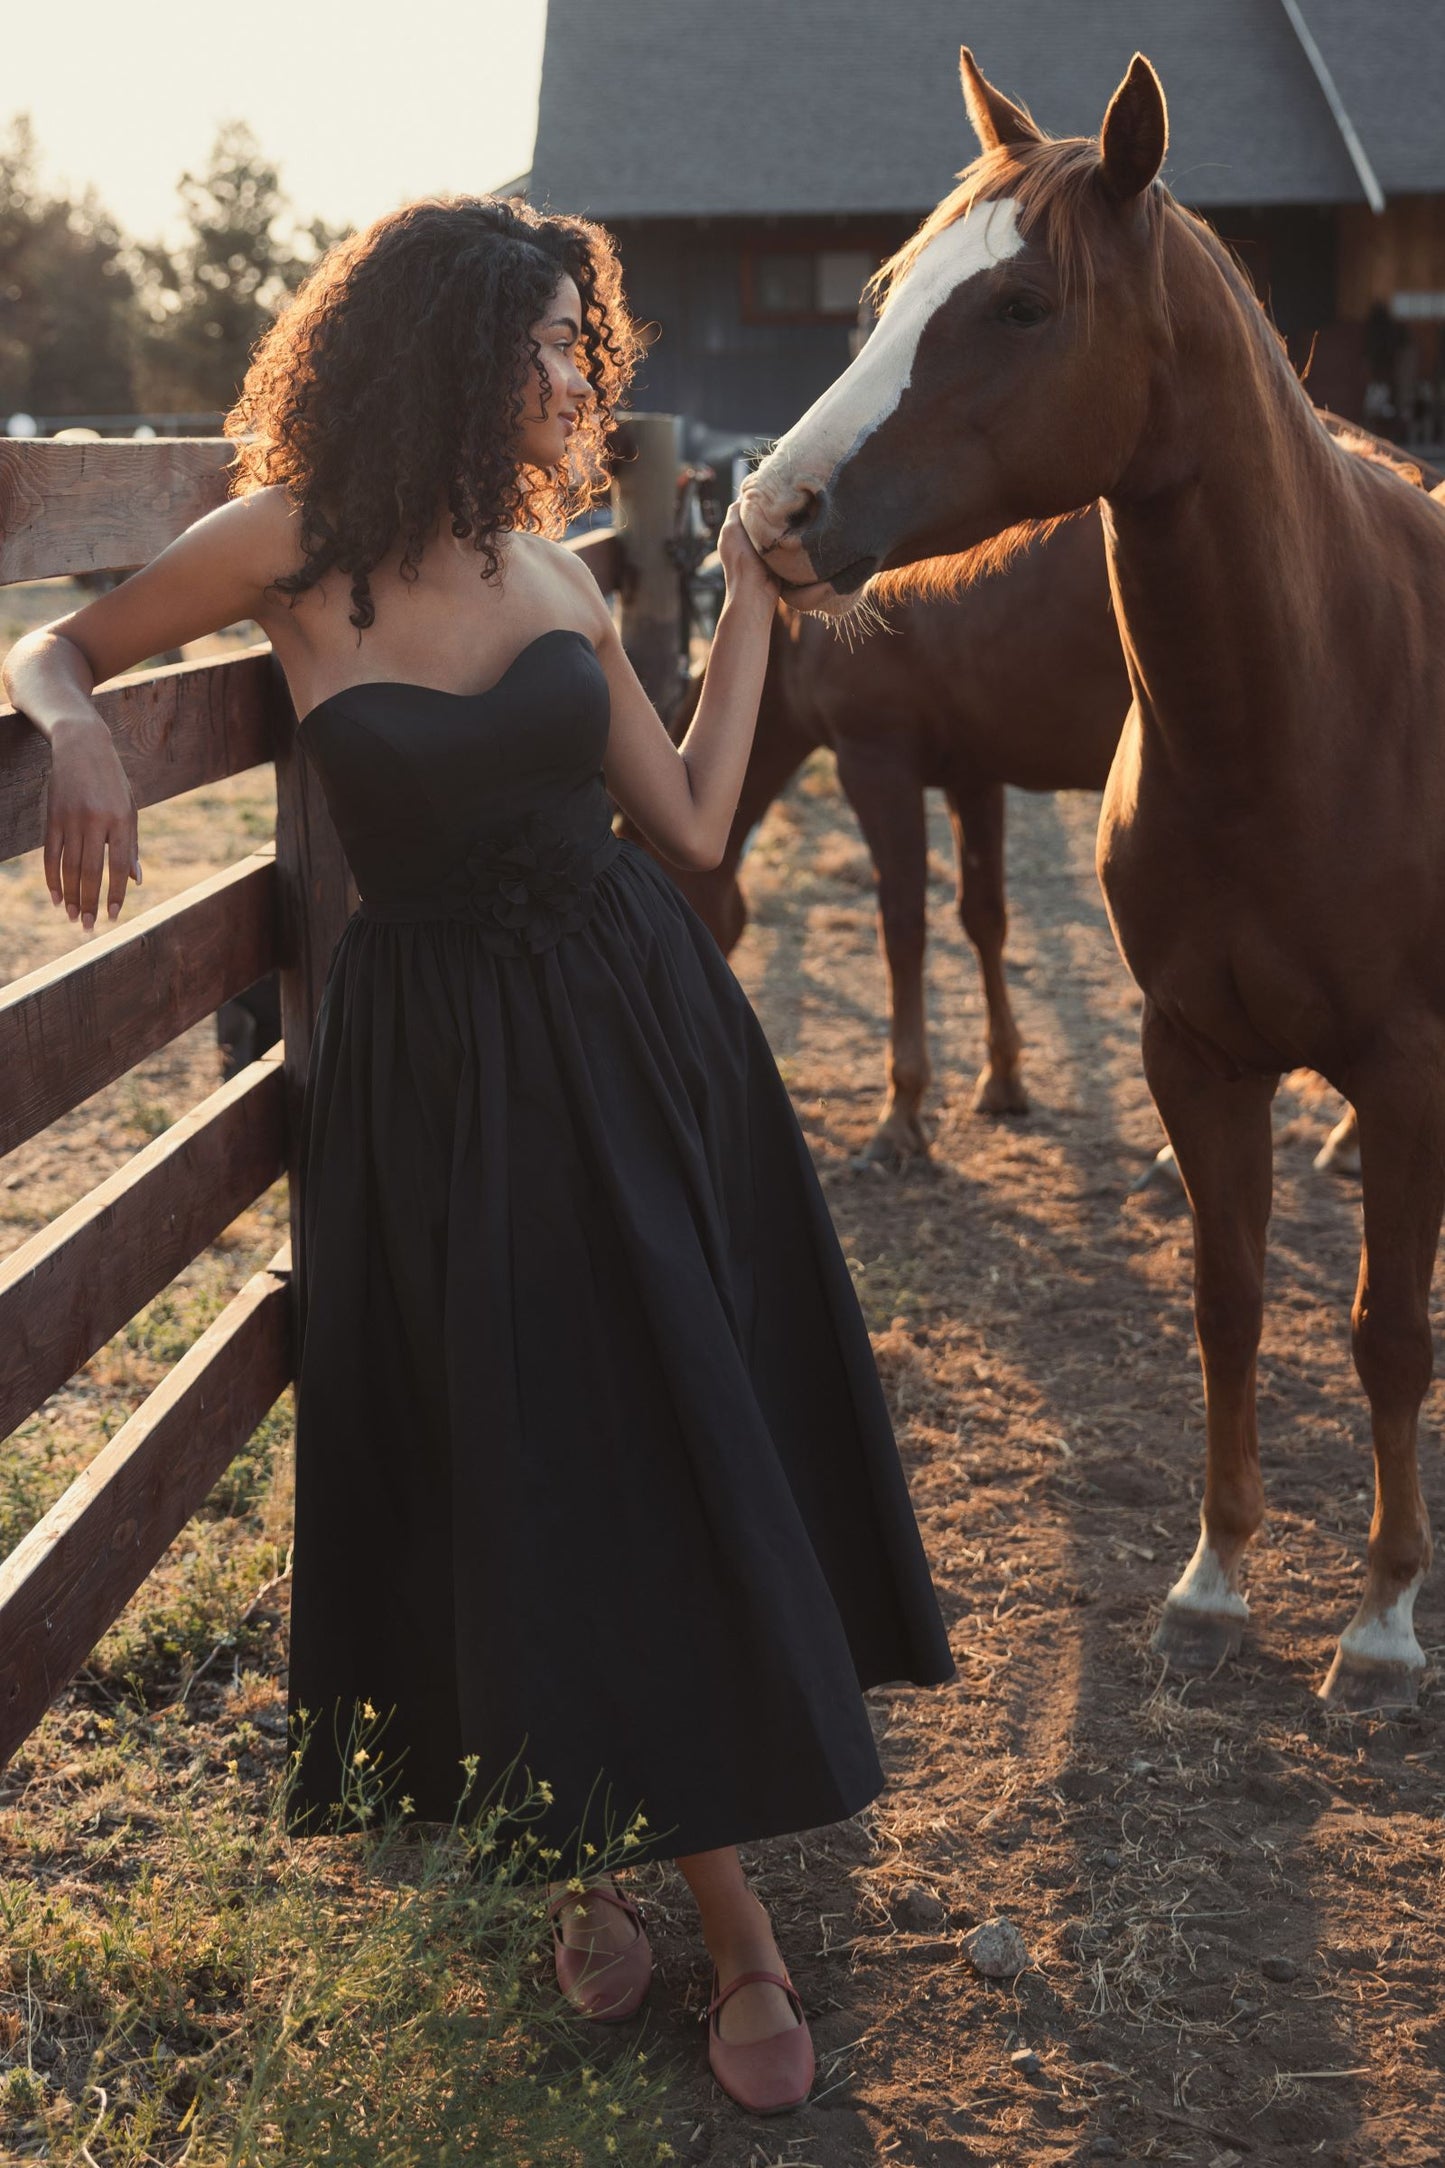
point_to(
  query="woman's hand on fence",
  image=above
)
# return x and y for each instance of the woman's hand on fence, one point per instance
(748, 578)
(90, 819)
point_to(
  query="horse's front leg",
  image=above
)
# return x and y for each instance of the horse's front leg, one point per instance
(1221, 1134)
(1401, 1110)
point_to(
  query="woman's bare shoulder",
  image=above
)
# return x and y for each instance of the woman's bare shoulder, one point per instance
(566, 576)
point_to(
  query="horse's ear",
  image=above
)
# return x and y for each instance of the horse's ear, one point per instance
(1135, 134)
(996, 119)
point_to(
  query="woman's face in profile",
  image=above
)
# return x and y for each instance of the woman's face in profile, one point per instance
(542, 439)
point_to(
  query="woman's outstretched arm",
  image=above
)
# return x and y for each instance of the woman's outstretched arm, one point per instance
(683, 797)
(212, 575)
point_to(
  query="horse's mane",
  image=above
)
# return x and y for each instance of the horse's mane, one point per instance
(1051, 181)
(1362, 445)
(938, 579)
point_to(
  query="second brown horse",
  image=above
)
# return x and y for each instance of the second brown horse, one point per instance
(1020, 681)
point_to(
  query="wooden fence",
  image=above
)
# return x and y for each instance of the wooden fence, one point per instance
(75, 1025)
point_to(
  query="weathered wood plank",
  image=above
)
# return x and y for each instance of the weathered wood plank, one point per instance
(82, 1020)
(315, 896)
(102, 507)
(69, 1579)
(185, 724)
(644, 512)
(77, 1281)
(601, 552)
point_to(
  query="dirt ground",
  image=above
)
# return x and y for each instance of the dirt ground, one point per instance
(1230, 1896)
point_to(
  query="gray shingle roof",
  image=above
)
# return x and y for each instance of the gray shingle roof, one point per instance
(658, 108)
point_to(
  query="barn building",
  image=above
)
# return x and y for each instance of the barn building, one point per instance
(757, 159)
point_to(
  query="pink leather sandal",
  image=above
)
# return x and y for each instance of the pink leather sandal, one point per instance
(611, 1987)
(768, 2075)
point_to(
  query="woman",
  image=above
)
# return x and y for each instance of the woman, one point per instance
(592, 1456)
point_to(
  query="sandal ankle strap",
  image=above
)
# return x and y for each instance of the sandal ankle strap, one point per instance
(774, 1979)
(611, 1897)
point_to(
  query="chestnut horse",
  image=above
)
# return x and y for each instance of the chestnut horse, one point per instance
(1272, 845)
(1020, 680)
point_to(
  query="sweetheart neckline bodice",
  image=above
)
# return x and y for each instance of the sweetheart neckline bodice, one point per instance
(442, 692)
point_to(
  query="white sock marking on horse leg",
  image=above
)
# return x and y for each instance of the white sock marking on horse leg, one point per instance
(1205, 1586)
(1387, 1637)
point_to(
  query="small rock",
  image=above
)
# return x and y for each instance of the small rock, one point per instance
(1025, 2062)
(1282, 1969)
(1244, 2011)
(917, 1910)
(997, 1949)
(1106, 2147)
(1111, 1859)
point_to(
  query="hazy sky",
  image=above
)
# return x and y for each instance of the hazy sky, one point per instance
(359, 105)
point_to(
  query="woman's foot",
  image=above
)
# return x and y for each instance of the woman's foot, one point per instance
(598, 1929)
(759, 2046)
(603, 1957)
(745, 1944)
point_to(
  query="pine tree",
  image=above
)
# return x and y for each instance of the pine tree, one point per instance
(67, 301)
(209, 301)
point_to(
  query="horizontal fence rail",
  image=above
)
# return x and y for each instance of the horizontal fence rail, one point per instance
(185, 725)
(75, 1025)
(601, 552)
(104, 506)
(82, 1277)
(68, 1580)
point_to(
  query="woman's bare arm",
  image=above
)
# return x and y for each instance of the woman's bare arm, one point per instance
(212, 575)
(683, 797)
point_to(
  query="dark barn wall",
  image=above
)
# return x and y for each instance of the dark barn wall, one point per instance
(707, 363)
(1291, 252)
(712, 365)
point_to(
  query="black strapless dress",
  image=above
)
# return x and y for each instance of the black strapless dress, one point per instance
(595, 1479)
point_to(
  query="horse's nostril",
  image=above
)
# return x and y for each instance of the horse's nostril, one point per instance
(802, 513)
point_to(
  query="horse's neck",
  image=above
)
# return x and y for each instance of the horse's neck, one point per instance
(1219, 535)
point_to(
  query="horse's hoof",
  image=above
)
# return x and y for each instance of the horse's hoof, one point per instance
(1162, 1172)
(1371, 1682)
(1192, 1641)
(997, 1093)
(891, 1148)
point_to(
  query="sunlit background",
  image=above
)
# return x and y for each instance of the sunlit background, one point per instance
(359, 106)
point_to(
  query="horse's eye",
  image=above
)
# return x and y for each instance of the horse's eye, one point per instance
(1023, 309)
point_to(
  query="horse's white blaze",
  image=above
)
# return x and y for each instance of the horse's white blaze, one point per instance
(1388, 1637)
(1205, 1586)
(870, 388)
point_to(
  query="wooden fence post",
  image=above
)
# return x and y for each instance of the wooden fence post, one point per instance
(644, 513)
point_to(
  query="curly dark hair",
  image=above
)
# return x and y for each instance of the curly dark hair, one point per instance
(396, 377)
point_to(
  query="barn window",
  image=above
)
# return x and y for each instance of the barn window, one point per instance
(804, 285)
